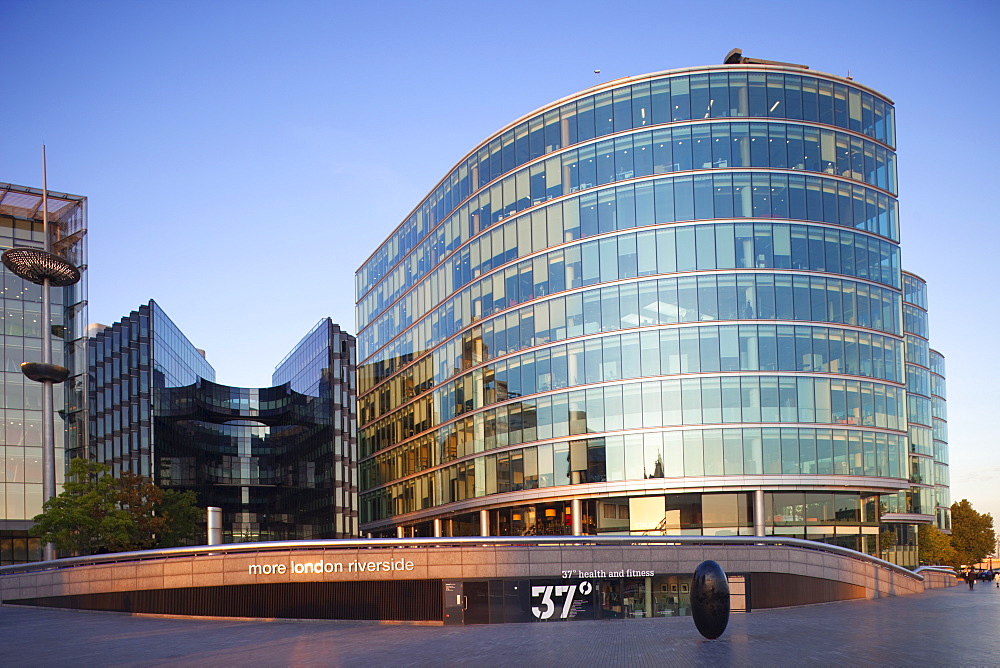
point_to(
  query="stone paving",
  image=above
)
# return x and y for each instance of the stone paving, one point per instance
(943, 627)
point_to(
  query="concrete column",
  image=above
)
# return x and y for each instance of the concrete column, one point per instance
(399, 532)
(649, 597)
(576, 509)
(758, 512)
(214, 518)
(437, 528)
(484, 523)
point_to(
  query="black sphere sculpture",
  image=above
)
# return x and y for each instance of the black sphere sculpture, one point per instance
(710, 599)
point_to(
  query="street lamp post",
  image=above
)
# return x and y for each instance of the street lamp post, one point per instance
(47, 269)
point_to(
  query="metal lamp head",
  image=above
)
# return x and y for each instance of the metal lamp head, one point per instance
(35, 265)
(41, 372)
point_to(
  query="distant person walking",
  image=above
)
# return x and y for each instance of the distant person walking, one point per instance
(970, 577)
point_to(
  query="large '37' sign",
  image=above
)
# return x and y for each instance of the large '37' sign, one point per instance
(550, 594)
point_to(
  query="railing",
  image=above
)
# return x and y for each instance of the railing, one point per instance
(463, 541)
(945, 570)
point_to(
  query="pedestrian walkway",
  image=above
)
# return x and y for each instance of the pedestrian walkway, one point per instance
(952, 626)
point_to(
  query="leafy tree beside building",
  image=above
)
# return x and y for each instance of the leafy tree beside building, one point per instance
(935, 546)
(972, 534)
(98, 513)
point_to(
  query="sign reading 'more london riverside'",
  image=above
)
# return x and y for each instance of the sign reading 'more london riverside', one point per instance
(457, 580)
(322, 566)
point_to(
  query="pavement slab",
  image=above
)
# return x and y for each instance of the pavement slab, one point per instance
(942, 627)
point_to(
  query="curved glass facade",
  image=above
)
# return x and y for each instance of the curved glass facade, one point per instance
(673, 302)
(280, 461)
(927, 500)
(263, 455)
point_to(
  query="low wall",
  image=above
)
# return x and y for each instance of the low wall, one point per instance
(413, 579)
(937, 576)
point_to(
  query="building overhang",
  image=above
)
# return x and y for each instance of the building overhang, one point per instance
(653, 486)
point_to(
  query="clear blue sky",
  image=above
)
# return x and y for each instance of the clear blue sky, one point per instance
(241, 159)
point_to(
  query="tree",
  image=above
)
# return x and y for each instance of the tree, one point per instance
(971, 534)
(98, 513)
(886, 541)
(934, 546)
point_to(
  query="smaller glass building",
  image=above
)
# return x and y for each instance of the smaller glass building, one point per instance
(21, 339)
(927, 501)
(275, 459)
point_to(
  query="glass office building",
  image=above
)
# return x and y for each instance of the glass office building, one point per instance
(272, 458)
(21, 399)
(927, 501)
(322, 366)
(669, 303)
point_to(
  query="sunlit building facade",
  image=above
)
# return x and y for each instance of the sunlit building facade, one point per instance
(670, 303)
(20, 398)
(275, 459)
(927, 501)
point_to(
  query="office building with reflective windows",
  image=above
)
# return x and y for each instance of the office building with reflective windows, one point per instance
(276, 460)
(928, 500)
(21, 399)
(670, 303)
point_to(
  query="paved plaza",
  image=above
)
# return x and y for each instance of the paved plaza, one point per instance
(943, 627)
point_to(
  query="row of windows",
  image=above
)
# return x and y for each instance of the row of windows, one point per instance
(914, 291)
(439, 285)
(918, 380)
(940, 408)
(938, 388)
(21, 465)
(20, 501)
(942, 478)
(940, 436)
(667, 250)
(717, 95)
(18, 428)
(675, 248)
(669, 454)
(665, 301)
(26, 322)
(18, 349)
(917, 350)
(719, 146)
(915, 321)
(705, 349)
(181, 363)
(17, 392)
(921, 470)
(320, 365)
(664, 200)
(920, 439)
(19, 550)
(918, 410)
(311, 351)
(650, 403)
(937, 365)
(914, 500)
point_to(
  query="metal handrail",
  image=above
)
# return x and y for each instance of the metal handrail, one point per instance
(947, 570)
(458, 541)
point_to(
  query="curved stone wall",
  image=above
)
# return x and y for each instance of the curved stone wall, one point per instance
(282, 579)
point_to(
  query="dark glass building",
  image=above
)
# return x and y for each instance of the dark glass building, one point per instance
(670, 303)
(276, 459)
(21, 338)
